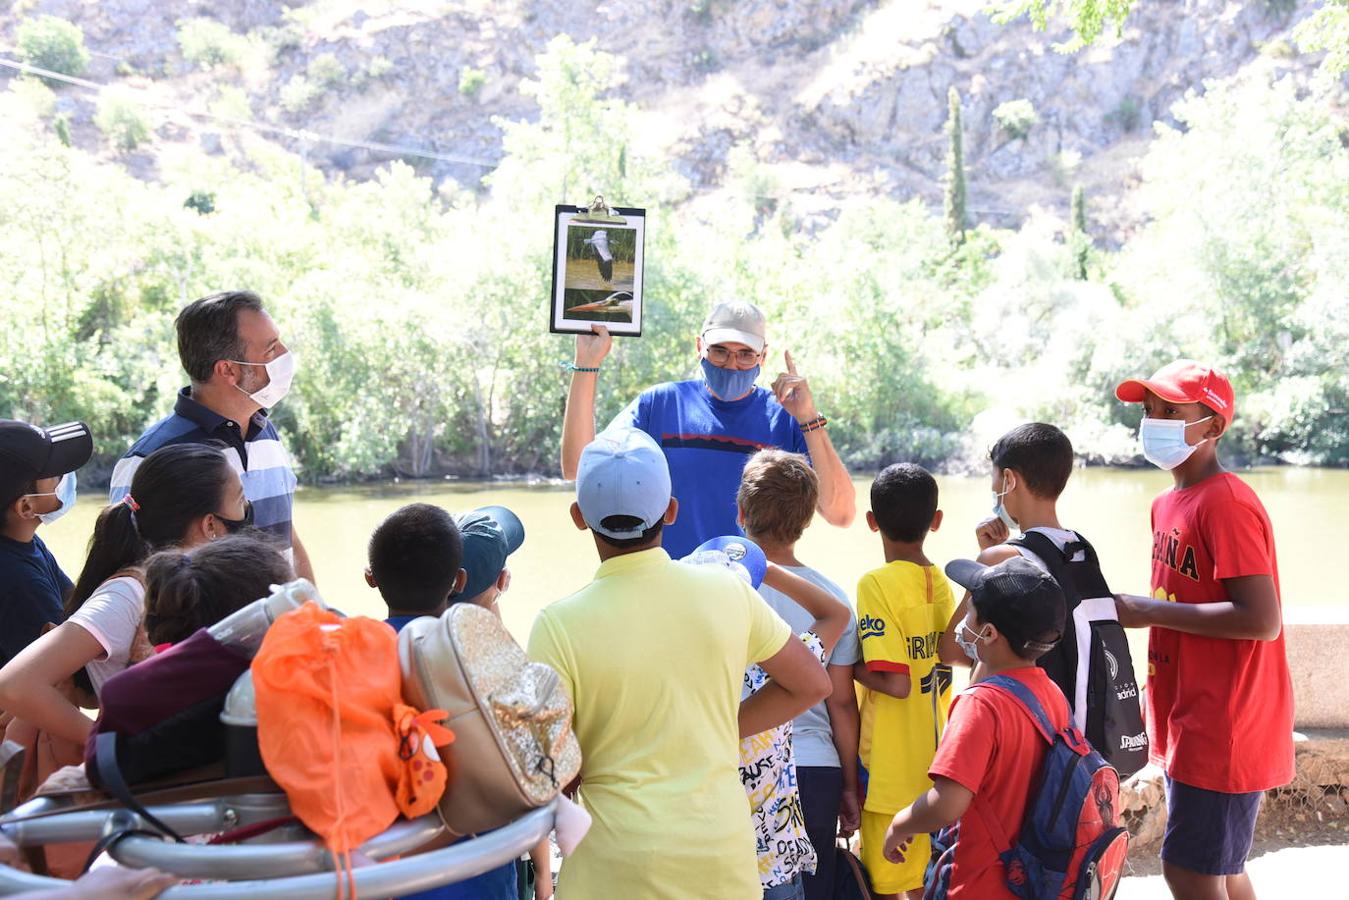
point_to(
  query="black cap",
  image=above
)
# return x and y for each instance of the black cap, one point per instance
(28, 452)
(490, 534)
(1017, 597)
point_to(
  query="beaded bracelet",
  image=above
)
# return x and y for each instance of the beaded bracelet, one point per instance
(814, 424)
(572, 367)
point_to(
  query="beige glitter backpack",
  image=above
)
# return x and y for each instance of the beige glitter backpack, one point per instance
(513, 747)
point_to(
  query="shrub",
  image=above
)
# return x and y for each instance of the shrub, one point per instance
(52, 43)
(202, 202)
(378, 67)
(1127, 115)
(1016, 118)
(121, 121)
(298, 94)
(61, 125)
(207, 43)
(471, 81)
(326, 71)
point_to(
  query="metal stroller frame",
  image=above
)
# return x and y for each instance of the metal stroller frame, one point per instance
(287, 863)
(272, 866)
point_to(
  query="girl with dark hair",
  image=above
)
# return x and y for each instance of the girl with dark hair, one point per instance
(189, 590)
(182, 495)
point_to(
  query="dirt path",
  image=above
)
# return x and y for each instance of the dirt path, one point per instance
(1291, 872)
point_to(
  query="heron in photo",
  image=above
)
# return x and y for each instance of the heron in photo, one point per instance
(599, 242)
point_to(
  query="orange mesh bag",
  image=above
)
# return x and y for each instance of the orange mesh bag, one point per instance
(334, 732)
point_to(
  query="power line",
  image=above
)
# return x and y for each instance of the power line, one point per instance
(262, 127)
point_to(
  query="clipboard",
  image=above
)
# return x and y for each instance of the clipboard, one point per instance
(597, 269)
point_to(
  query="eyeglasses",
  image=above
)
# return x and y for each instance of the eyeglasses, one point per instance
(720, 356)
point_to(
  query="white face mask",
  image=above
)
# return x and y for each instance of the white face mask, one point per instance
(1164, 443)
(280, 372)
(1000, 510)
(971, 648)
(65, 492)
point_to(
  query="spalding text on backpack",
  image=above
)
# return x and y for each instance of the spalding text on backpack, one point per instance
(1092, 664)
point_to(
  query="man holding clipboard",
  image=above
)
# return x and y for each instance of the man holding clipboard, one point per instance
(708, 427)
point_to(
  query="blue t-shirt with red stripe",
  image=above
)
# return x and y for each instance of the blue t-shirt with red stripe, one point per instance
(706, 442)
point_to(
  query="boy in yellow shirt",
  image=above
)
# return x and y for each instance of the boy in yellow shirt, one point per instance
(903, 609)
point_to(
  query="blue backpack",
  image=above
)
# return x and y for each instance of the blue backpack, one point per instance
(1071, 846)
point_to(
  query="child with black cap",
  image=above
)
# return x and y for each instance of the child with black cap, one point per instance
(37, 486)
(991, 753)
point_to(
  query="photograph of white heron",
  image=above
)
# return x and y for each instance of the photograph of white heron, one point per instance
(597, 274)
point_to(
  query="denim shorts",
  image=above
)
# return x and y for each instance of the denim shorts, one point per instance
(1207, 831)
(791, 890)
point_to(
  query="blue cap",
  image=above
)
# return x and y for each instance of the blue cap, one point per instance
(623, 473)
(490, 534)
(740, 550)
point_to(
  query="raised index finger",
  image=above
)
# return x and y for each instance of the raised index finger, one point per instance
(791, 366)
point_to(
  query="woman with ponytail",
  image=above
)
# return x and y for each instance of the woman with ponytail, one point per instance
(182, 496)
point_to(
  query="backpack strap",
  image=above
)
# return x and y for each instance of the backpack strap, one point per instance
(110, 774)
(1028, 702)
(1055, 560)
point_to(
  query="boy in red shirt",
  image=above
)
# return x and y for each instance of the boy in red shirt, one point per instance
(1219, 697)
(990, 756)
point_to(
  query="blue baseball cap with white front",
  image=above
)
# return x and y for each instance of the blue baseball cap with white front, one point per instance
(740, 551)
(622, 473)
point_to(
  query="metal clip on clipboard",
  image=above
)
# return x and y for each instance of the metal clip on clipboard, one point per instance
(597, 213)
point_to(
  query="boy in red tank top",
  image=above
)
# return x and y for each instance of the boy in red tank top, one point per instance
(1219, 696)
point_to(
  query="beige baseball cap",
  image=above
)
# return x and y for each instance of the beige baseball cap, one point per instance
(735, 321)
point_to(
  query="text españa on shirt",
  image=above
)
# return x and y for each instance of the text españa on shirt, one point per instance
(1166, 549)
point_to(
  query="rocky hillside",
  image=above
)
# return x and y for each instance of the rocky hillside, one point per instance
(833, 98)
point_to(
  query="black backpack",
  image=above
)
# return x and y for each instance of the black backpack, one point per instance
(1092, 664)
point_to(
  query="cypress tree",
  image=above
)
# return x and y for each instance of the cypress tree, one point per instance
(1078, 238)
(955, 171)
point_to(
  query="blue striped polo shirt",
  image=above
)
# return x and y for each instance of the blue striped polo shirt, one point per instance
(260, 459)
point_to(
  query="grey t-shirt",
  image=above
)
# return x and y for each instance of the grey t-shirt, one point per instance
(812, 739)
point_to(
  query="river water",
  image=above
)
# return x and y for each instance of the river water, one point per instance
(1109, 506)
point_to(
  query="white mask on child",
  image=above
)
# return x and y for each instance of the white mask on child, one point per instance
(1000, 510)
(971, 648)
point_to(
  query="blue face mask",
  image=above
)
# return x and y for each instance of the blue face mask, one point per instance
(1164, 443)
(729, 384)
(65, 492)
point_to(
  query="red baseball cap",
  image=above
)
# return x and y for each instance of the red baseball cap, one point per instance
(1184, 381)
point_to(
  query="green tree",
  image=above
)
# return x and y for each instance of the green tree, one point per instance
(1327, 29)
(61, 125)
(1016, 118)
(1088, 18)
(1078, 238)
(52, 43)
(471, 81)
(122, 121)
(955, 171)
(206, 43)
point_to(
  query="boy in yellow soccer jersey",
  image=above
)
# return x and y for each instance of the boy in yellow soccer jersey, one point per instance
(902, 612)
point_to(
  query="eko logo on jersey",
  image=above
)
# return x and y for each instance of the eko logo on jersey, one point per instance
(871, 626)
